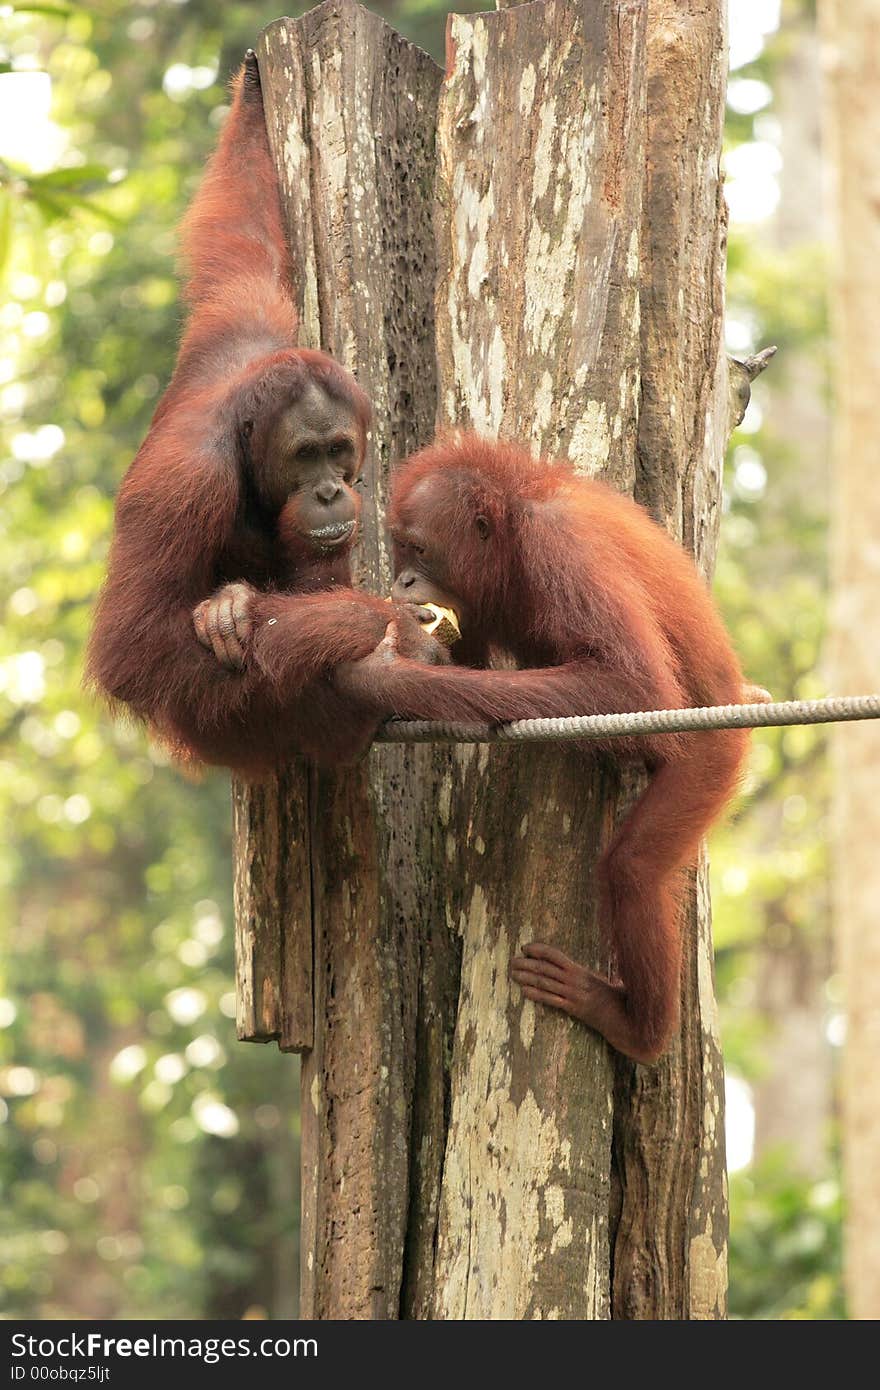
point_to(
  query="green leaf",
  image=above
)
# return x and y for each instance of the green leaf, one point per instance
(55, 203)
(52, 205)
(72, 177)
(59, 11)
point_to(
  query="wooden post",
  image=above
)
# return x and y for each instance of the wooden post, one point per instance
(351, 112)
(670, 1248)
(466, 1155)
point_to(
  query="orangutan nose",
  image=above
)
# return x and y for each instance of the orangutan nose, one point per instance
(327, 492)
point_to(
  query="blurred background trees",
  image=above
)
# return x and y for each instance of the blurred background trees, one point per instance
(852, 32)
(148, 1159)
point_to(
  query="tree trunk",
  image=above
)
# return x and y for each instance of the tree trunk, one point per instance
(792, 1096)
(466, 1154)
(670, 1256)
(853, 108)
(351, 112)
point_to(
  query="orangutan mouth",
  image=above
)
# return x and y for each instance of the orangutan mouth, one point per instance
(332, 535)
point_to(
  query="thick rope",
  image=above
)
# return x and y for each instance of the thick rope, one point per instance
(656, 721)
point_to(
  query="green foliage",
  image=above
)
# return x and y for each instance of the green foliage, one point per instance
(785, 1247)
(770, 863)
(146, 1149)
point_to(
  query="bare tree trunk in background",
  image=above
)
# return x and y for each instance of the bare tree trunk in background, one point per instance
(852, 30)
(115, 1146)
(670, 1249)
(465, 1154)
(793, 1095)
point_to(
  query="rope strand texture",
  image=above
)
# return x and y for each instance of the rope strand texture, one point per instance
(656, 721)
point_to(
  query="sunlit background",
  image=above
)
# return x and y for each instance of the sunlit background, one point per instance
(147, 1159)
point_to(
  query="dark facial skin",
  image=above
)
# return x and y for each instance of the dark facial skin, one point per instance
(305, 470)
(415, 584)
(421, 575)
